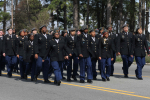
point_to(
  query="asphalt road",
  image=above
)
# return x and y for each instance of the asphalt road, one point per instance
(118, 88)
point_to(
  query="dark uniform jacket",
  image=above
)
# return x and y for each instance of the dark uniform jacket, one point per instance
(113, 37)
(83, 45)
(26, 38)
(95, 47)
(20, 46)
(106, 48)
(139, 45)
(99, 36)
(9, 45)
(29, 52)
(125, 43)
(57, 50)
(1, 45)
(41, 44)
(72, 44)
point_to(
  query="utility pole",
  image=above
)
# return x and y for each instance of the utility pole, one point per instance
(12, 13)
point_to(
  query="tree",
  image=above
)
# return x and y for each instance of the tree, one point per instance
(75, 13)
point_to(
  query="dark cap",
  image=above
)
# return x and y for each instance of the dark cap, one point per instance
(42, 27)
(125, 25)
(104, 32)
(9, 28)
(20, 31)
(91, 30)
(84, 27)
(101, 28)
(72, 29)
(108, 26)
(137, 29)
(25, 30)
(33, 29)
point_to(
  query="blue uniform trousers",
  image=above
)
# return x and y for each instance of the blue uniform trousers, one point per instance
(42, 66)
(112, 64)
(85, 61)
(140, 61)
(94, 67)
(31, 66)
(56, 66)
(22, 66)
(10, 62)
(104, 62)
(127, 61)
(75, 66)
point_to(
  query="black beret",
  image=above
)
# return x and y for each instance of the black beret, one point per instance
(91, 31)
(21, 31)
(42, 27)
(84, 27)
(101, 28)
(125, 25)
(72, 29)
(108, 26)
(9, 28)
(33, 29)
(105, 31)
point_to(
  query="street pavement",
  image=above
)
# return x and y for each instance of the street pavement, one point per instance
(118, 88)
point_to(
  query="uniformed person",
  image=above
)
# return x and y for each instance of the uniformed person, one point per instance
(40, 48)
(2, 64)
(20, 52)
(34, 31)
(29, 57)
(9, 51)
(84, 51)
(25, 34)
(106, 55)
(57, 46)
(64, 33)
(95, 49)
(125, 48)
(100, 35)
(71, 42)
(140, 43)
(113, 37)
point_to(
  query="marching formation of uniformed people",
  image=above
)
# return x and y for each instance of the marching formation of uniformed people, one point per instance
(74, 50)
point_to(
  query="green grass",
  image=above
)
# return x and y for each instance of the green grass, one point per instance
(119, 59)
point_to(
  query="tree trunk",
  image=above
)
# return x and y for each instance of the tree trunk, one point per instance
(87, 18)
(52, 21)
(57, 18)
(117, 20)
(98, 15)
(120, 15)
(147, 19)
(65, 16)
(109, 8)
(140, 16)
(75, 14)
(4, 21)
(132, 17)
(102, 14)
(143, 15)
(78, 14)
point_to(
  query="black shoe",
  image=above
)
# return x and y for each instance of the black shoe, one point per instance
(108, 79)
(94, 78)
(69, 80)
(104, 80)
(32, 79)
(111, 75)
(25, 76)
(122, 68)
(9, 76)
(125, 76)
(82, 81)
(58, 83)
(47, 81)
(140, 78)
(22, 78)
(0, 74)
(136, 74)
(89, 81)
(74, 78)
(63, 78)
(35, 77)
